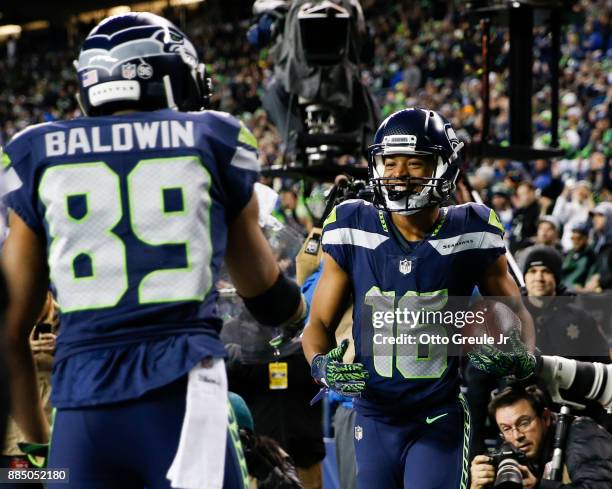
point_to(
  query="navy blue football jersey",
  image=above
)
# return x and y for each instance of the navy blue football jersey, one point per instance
(390, 276)
(134, 209)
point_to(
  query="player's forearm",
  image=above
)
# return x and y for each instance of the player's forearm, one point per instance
(27, 409)
(316, 339)
(248, 255)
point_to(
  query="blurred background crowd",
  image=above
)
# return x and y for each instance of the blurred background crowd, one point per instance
(424, 53)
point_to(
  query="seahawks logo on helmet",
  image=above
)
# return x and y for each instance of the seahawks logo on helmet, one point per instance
(452, 138)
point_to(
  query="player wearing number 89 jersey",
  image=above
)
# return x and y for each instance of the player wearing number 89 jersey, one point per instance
(121, 278)
(130, 214)
(404, 251)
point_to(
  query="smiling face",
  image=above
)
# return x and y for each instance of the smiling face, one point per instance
(520, 425)
(540, 282)
(400, 166)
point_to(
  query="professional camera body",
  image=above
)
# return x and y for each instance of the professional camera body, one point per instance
(506, 460)
(316, 98)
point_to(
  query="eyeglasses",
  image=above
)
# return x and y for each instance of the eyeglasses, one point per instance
(521, 427)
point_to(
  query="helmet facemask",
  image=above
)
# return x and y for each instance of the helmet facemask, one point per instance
(414, 133)
(407, 194)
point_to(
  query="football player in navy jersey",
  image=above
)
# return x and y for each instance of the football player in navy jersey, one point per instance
(398, 253)
(130, 211)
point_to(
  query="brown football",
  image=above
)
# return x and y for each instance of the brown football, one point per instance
(491, 324)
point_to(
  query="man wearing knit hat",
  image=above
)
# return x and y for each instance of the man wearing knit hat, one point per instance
(562, 328)
(542, 270)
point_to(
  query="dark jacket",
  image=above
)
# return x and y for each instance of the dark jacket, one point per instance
(524, 225)
(588, 457)
(564, 328)
(603, 266)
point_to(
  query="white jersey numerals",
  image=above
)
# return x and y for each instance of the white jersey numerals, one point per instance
(90, 234)
(392, 325)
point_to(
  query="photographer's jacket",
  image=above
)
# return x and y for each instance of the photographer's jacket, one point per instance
(588, 457)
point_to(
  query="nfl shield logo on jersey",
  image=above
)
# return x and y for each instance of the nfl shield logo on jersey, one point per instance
(405, 266)
(128, 71)
(358, 432)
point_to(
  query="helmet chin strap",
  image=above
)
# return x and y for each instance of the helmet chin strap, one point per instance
(169, 94)
(80, 102)
(77, 95)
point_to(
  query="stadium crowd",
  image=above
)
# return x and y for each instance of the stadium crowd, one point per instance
(428, 55)
(425, 54)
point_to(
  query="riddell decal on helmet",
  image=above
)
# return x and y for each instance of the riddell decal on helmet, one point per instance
(144, 71)
(403, 139)
(128, 71)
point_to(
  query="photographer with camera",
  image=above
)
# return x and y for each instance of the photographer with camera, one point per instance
(527, 428)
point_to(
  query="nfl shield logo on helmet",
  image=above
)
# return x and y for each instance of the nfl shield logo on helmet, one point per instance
(405, 266)
(358, 432)
(128, 71)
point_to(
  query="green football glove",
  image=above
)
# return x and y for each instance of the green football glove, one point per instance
(519, 362)
(347, 379)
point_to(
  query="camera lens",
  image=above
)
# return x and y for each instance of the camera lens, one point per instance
(508, 475)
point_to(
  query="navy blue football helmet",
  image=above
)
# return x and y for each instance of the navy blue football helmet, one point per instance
(420, 132)
(139, 61)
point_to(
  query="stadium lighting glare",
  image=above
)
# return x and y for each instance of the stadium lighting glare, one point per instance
(119, 9)
(9, 30)
(177, 3)
(156, 6)
(36, 25)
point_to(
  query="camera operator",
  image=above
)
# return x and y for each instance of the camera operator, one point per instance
(527, 428)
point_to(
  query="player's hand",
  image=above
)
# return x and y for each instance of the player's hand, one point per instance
(44, 344)
(482, 472)
(519, 362)
(347, 379)
(292, 330)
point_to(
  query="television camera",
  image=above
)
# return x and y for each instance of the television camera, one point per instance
(316, 98)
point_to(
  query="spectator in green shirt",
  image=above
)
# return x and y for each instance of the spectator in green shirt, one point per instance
(579, 259)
